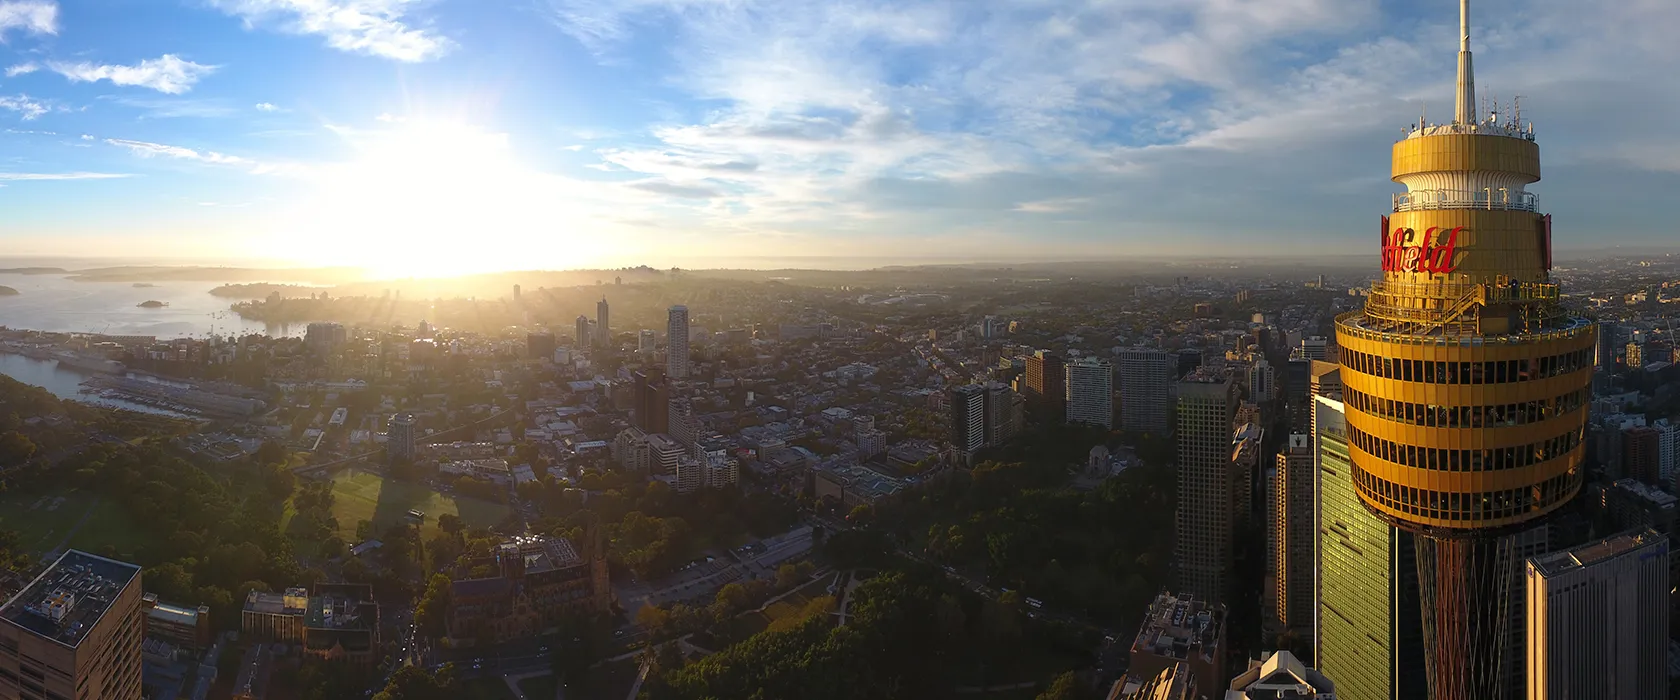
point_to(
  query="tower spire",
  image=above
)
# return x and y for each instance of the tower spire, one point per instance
(1466, 107)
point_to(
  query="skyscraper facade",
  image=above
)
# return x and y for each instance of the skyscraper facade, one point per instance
(1207, 401)
(1046, 381)
(1146, 378)
(1090, 392)
(652, 400)
(968, 418)
(1293, 526)
(584, 332)
(74, 632)
(1370, 635)
(1455, 377)
(1606, 352)
(676, 343)
(1598, 620)
(400, 436)
(603, 331)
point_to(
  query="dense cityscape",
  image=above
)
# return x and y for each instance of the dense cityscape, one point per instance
(1450, 475)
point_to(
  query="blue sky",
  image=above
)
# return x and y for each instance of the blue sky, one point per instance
(446, 135)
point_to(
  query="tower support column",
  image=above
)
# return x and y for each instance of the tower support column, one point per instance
(1465, 585)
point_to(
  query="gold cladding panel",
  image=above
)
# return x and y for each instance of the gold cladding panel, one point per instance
(1493, 243)
(1466, 482)
(1490, 437)
(1466, 394)
(1426, 521)
(1466, 152)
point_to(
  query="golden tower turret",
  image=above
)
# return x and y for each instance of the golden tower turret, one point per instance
(1466, 382)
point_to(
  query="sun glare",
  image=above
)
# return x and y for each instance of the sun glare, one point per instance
(430, 199)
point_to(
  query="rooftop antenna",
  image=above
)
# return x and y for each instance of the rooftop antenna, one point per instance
(1465, 112)
(1518, 106)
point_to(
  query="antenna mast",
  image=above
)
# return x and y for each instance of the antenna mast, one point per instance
(1466, 107)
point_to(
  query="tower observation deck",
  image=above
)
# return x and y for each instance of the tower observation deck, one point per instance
(1466, 382)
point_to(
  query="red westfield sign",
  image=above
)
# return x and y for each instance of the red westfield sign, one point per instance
(1404, 251)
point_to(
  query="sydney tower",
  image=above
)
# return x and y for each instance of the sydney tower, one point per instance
(1466, 383)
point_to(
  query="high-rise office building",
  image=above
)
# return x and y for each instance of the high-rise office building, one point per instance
(968, 418)
(1465, 321)
(1598, 620)
(1146, 379)
(1262, 381)
(1297, 393)
(1635, 355)
(1046, 382)
(540, 346)
(74, 632)
(584, 332)
(1641, 454)
(1090, 392)
(603, 331)
(646, 340)
(1207, 402)
(651, 396)
(1605, 351)
(1293, 526)
(1316, 348)
(1370, 633)
(1005, 413)
(400, 437)
(1668, 448)
(676, 343)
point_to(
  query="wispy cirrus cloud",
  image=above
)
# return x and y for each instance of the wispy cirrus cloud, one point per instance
(382, 28)
(168, 74)
(28, 16)
(266, 107)
(22, 69)
(147, 149)
(25, 106)
(21, 177)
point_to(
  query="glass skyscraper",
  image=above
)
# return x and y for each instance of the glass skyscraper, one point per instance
(1370, 629)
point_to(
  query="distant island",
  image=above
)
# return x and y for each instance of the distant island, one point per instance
(143, 285)
(33, 271)
(262, 290)
(152, 304)
(8, 292)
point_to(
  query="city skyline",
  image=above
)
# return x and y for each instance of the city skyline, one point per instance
(374, 135)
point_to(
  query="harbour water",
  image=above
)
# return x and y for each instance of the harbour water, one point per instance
(54, 303)
(63, 382)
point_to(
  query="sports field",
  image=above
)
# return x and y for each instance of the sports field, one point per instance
(360, 495)
(43, 519)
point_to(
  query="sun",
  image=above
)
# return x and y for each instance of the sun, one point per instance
(435, 199)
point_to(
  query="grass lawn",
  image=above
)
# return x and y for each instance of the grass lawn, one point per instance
(43, 518)
(360, 495)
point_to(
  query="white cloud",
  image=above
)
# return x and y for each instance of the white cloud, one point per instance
(15, 177)
(146, 149)
(373, 27)
(24, 105)
(919, 119)
(87, 137)
(22, 69)
(267, 107)
(169, 74)
(31, 16)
